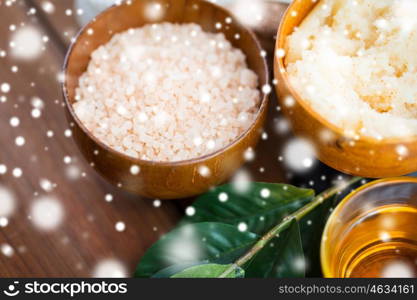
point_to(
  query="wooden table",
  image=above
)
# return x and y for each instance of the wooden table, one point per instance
(53, 167)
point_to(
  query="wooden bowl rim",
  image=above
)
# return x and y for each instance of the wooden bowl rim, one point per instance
(332, 218)
(201, 159)
(280, 44)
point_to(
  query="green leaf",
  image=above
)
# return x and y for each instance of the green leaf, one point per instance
(207, 242)
(172, 270)
(282, 257)
(260, 213)
(209, 271)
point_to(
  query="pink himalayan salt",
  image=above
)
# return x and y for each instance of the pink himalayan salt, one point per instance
(167, 92)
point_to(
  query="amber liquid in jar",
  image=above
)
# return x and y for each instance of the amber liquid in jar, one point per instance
(381, 242)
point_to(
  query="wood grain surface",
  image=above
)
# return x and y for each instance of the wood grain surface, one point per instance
(87, 233)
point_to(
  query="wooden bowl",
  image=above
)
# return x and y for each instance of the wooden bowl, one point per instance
(162, 180)
(368, 157)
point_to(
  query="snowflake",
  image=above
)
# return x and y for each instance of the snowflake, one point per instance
(48, 7)
(7, 203)
(398, 269)
(242, 227)
(5, 87)
(7, 250)
(223, 197)
(120, 226)
(190, 211)
(134, 170)
(299, 155)
(110, 268)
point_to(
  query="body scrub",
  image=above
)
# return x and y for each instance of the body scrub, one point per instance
(167, 92)
(355, 63)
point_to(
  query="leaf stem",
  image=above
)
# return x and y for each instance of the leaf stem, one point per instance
(284, 224)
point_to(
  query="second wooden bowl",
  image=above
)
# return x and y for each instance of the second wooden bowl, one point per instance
(163, 180)
(367, 157)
